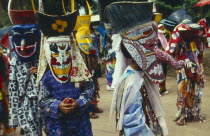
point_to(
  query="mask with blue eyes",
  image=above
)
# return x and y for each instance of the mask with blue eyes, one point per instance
(26, 40)
(58, 55)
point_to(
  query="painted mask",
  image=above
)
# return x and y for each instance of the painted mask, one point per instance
(83, 34)
(140, 43)
(58, 55)
(186, 32)
(139, 36)
(26, 40)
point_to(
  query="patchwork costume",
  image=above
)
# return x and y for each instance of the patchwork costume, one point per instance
(23, 92)
(68, 77)
(136, 98)
(187, 43)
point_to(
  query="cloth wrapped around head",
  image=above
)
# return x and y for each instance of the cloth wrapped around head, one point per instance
(59, 49)
(134, 21)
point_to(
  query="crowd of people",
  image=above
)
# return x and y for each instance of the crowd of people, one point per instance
(51, 83)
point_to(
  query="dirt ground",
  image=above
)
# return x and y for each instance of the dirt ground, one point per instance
(105, 127)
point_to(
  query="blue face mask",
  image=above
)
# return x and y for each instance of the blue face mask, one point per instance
(26, 40)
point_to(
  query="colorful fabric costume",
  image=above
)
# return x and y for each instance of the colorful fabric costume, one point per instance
(23, 97)
(23, 92)
(68, 77)
(163, 44)
(188, 43)
(136, 97)
(106, 32)
(58, 124)
(134, 104)
(4, 103)
(89, 48)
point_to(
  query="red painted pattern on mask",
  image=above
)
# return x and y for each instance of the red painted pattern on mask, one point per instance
(69, 60)
(54, 61)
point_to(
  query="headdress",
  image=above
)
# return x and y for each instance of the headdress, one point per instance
(59, 48)
(21, 16)
(184, 25)
(83, 34)
(26, 35)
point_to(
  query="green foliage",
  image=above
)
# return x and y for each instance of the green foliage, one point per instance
(4, 20)
(166, 7)
(128, 0)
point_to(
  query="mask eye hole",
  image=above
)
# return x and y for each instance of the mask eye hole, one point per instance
(55, 54)
(148, 32)
(68, 53)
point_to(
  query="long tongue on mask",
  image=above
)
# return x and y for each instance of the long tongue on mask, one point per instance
(22, 45)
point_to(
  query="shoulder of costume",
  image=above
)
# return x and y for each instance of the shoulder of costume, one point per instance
(13, 61)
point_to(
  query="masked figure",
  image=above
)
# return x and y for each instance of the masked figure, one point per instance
(23, 92)
(188, 43)
(106, 30)
(88, 42)
(66, 89)
(136, 97)
(163, 45)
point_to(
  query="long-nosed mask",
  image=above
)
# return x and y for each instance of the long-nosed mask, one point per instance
(140, 43)
(139, 36)
(26, 40)
(58, 55)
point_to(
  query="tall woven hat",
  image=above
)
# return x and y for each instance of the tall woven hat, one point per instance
(125, 15)
(179, 16)
(56, 25)
(21, 16)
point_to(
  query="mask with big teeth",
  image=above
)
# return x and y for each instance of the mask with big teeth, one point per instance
(58, 55)
(26, 40)
(140, 43)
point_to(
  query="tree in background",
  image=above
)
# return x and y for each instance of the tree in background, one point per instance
(166, 7)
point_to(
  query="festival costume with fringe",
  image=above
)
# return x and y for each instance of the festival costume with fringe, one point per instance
(23, 92)
(105, 31)
(68, 77)
(136, 98)
(187, 43)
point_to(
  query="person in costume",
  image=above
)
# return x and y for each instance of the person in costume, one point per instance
(188, 43)
(136, 98)
(105, 29)
(163, 44)
(4, 104)
(23, 92)
(97, 69)
(66, 89)
(89, 53)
